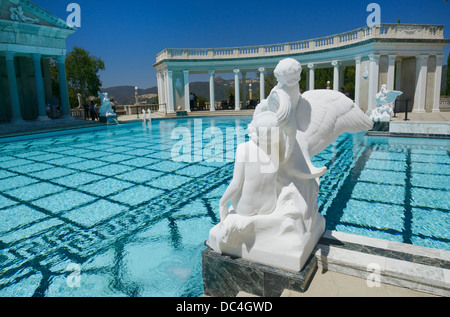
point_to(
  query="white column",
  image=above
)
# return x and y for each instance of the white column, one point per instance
(212, 98)
(398, 75)
(262, 84)
(244, 90)
(421, 83)
(13, 91)
(437, 84)
(160, 90)
(336, 75)
(374, 69)
(237, 99)
(391, 72)
(170, 101)
(312, 79)
(39, 87)
(63, 89)
(187, 99)
(357, 80)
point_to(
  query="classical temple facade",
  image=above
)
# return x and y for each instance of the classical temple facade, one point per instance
(29, 37)
(405, 57)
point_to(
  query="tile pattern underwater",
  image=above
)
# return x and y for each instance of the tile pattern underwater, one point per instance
(110, 212)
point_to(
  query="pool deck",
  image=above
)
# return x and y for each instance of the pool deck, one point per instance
(9, 129)
(356, 266)
(30, 127)
(327, 282)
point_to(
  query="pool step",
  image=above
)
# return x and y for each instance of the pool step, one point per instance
(381, 261)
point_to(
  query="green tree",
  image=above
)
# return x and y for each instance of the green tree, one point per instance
(322, 76)
(82, 74)
(270, 82)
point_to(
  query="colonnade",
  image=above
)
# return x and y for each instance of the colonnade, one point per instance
(371, 72)
(167, 83)
(405, 57)
(16, 114)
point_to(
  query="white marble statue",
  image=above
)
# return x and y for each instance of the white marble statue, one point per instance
(385, 101)
(273, 218)
(106, 107)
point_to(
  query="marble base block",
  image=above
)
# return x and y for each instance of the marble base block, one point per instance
(111, 119)
(182, 113)
(225, 276)
(381, 126)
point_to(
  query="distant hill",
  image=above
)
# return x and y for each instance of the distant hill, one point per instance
(124, 95)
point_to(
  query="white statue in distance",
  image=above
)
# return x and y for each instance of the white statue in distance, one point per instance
(106, 107)
(274, 218)
(385, 100)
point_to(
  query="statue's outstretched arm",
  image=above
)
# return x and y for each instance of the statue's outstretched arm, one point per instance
(305, 169)
(315, 172)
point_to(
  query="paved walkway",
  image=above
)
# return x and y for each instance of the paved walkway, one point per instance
(425, 117)
(333, 284)
(8, 129)
(30, 127)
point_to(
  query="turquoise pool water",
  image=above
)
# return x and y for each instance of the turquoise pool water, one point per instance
(113, 212)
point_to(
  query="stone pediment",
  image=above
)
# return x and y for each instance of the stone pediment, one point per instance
(24, 11)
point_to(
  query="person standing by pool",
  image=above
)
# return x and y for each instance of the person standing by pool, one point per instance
(86, 111)
(93, 111)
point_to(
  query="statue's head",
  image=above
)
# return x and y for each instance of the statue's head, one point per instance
(288, 72)
(264, 127)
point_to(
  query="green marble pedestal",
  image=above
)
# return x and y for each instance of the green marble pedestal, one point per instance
(224, 276)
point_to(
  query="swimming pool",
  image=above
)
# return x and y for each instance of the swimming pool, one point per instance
(116, 212)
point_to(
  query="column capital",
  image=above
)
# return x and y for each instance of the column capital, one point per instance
(37, 57)
(392, 57)
(261, 69)
(237, 71)
(212, 72)
(186, 72)
(422, 58)
(311, 66)
(358, 59)
(335, 64)
(374, 57)
(10, 55)
(61, 59)
(439, 58)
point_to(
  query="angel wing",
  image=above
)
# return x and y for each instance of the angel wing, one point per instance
(391, 96)
(326, 115)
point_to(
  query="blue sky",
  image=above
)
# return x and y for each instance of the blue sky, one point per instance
(127, 35)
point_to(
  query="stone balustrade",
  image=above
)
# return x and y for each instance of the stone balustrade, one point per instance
(445, 103)
(383, 31)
